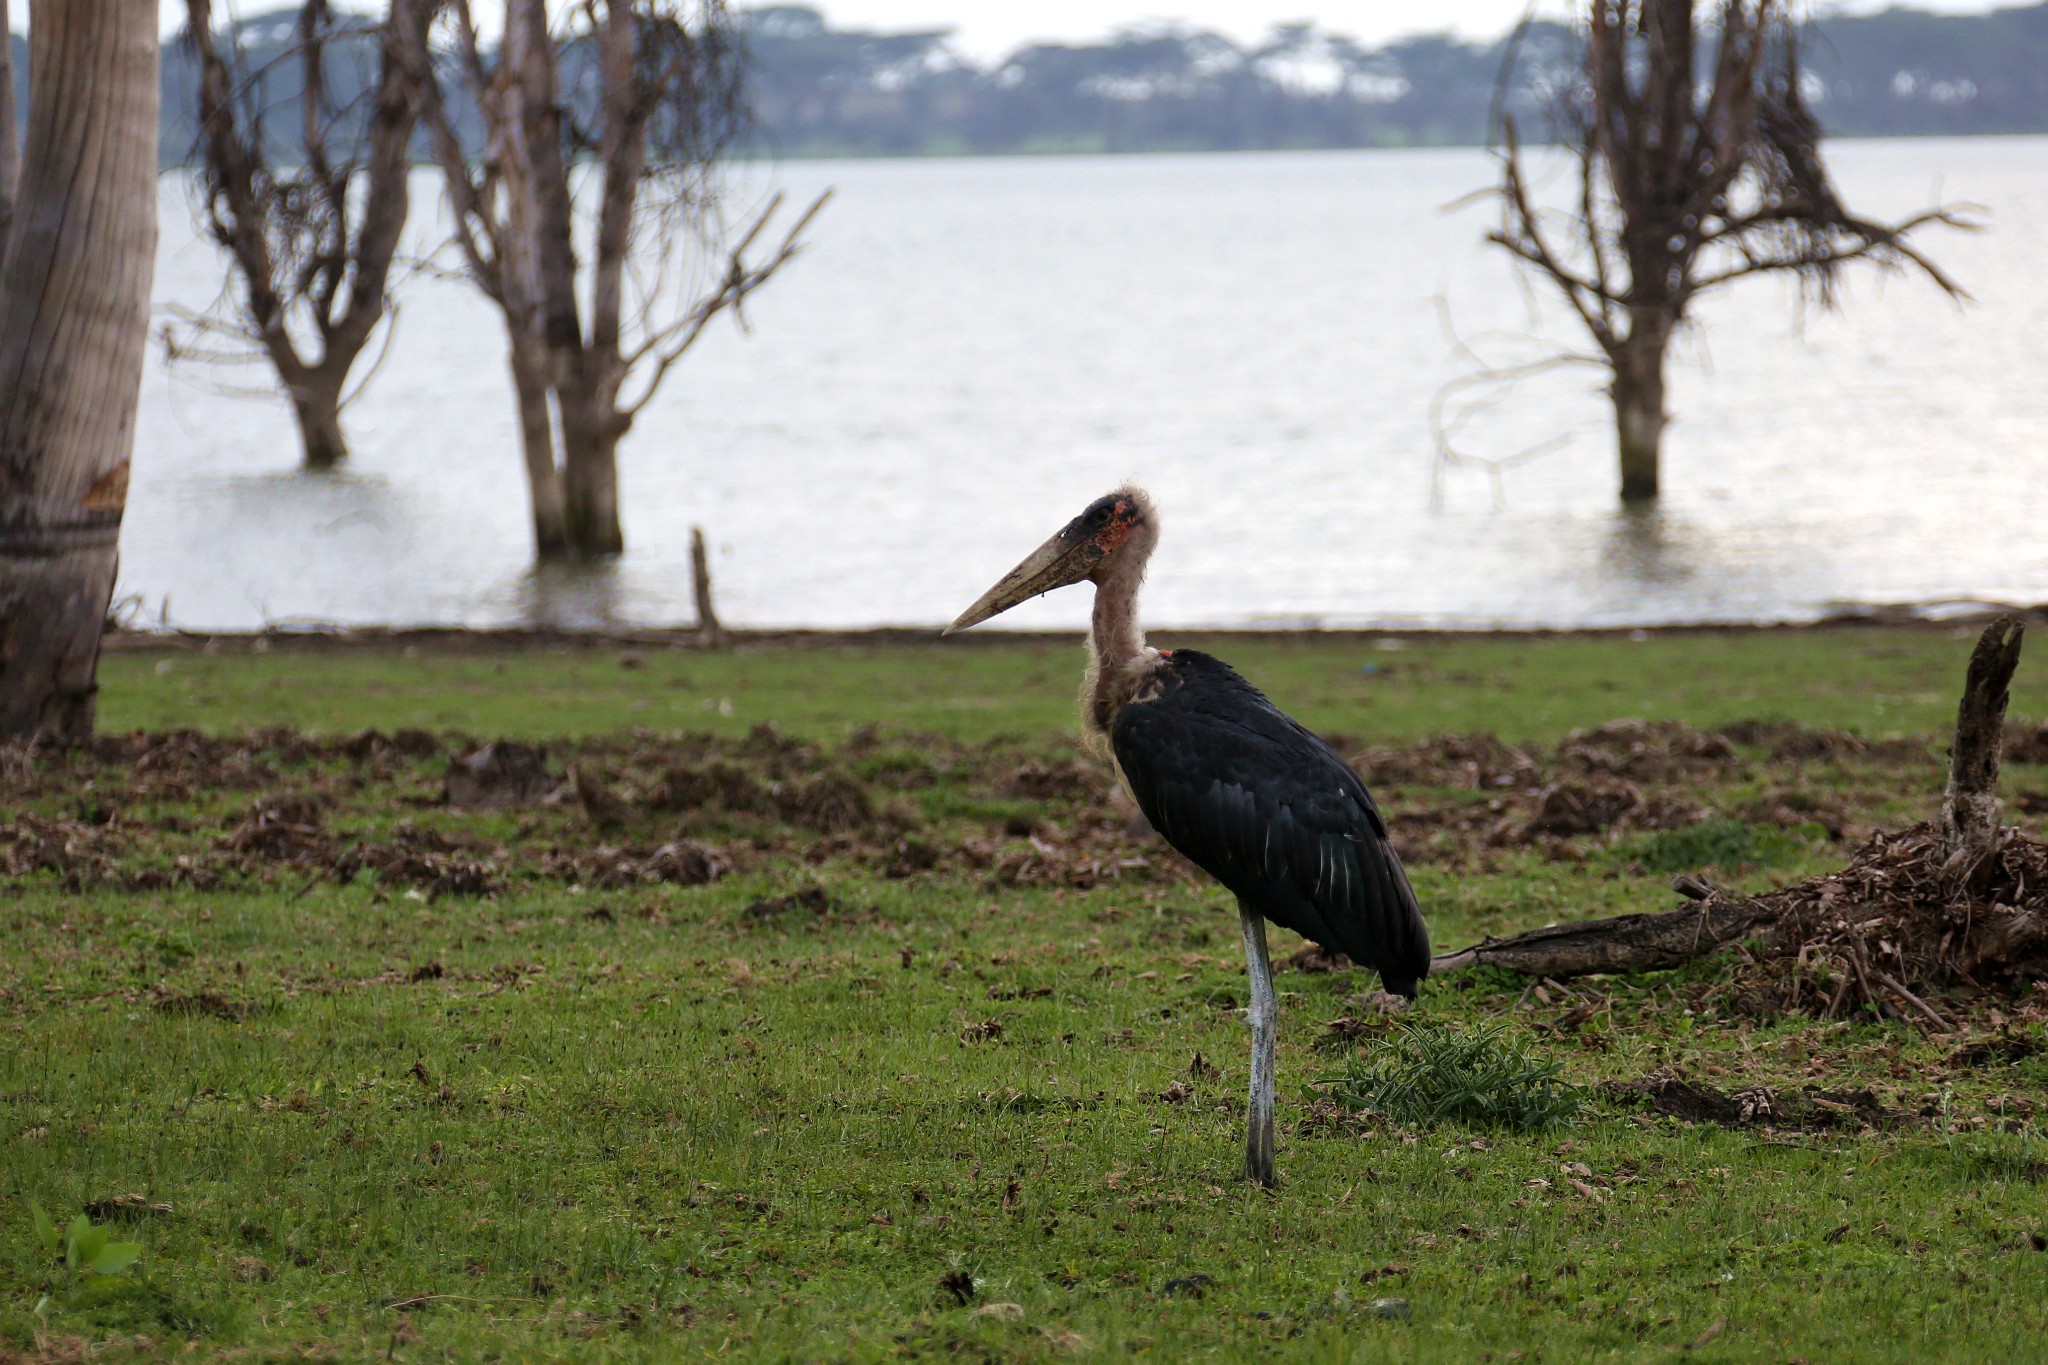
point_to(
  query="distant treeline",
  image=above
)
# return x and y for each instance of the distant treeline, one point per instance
(819, 90)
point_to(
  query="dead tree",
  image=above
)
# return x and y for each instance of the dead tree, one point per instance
(74, 318)
(1954, 901)
(648, 93)
(313, 247)
(1697, 164)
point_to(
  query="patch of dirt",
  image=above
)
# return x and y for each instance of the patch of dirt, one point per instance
(1568, 808)
(812, 900)
(1067, 780)
(1790, 742)
(1804, 1110)
(2026, 743)
(497, 775)
(209, 1003)
(1792, 808)
(1646, 751)
(424, 860)
(285, 828)
(683, 862)
(1478, 762)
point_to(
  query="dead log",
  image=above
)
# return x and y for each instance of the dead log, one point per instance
(1969, 808)
(1622, 943)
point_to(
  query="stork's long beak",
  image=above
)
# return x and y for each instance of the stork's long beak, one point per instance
(1067, 558)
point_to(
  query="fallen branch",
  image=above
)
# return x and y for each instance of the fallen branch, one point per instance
(1623, 943)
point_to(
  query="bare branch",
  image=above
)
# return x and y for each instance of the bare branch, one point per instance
(313, 259)
(1698, 165)
(741, 279)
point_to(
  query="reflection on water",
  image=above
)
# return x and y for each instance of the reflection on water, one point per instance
(1647, 546)
(970, 350)
(570, 596)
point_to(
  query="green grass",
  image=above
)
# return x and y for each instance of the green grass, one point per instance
(1869, 681)
(658, 1123)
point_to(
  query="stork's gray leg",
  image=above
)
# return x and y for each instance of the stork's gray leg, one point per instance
(1264, 1016)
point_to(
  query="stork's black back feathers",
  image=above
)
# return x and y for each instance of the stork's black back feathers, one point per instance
(1271, 811)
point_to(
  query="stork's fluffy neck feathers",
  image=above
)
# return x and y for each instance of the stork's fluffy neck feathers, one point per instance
(1119, 661)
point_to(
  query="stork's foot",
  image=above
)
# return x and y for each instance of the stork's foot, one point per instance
(1258, 1154)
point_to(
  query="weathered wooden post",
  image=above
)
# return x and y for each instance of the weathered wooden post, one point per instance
(708, 629)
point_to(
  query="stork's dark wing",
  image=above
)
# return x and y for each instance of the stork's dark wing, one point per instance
(1272, 812)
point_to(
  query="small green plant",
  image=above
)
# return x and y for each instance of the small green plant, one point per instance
(1431, 1073)
(86, 1247)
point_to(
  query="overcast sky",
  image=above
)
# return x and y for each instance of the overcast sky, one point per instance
(989, 28)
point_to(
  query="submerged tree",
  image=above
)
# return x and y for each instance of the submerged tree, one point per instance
(1698, 164)
(605, 137)
(312, 245)
(74, 318)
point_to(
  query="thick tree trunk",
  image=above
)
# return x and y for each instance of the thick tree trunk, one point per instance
(73, 322)
(1639, 418)
(590, 447)
(316, 403)
(546, 495)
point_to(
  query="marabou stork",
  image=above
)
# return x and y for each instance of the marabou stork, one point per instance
(1246, 793)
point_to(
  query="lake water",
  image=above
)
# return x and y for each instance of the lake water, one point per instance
(970, 350)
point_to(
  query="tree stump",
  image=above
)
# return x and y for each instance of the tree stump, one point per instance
(1969, 808)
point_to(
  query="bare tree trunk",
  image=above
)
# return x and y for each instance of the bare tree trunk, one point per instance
(667, 107)
(73, 322)
(546, 495)
(1639, 417)
(316, 403)
(306, 244)
(590, 461)
(10, 143)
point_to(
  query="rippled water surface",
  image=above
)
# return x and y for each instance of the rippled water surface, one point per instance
(971, 349)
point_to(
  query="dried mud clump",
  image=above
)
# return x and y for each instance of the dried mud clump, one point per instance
(683, 862)
(1478, 762)
(1806, 1110)
(1646, 751)
(726, 786)
(1068, 780)
(2027, 743)
(1568, 808)
(283, 829)
(424, 860)
(1794, 809)
(830, 803)
(498, 775)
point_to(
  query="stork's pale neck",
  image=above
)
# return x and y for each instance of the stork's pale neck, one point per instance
(1119, 659)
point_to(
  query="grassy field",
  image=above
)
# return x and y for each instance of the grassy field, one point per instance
(879, 1034)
